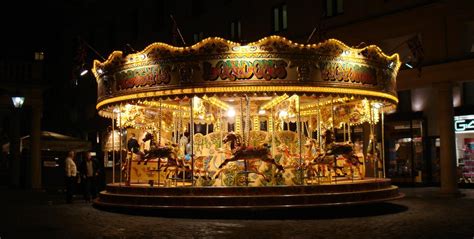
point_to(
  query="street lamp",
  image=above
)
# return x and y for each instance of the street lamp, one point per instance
(84, 71)
(18, 101)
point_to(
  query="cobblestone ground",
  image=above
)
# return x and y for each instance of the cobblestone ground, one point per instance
(421, 214)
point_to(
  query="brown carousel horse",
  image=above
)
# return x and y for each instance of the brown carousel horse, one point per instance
(242, 152)
(160, 152)
(329, 156)
(326, 156)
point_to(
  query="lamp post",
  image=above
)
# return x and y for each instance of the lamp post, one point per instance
(15, 143)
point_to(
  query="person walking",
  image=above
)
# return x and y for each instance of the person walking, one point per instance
(134, 148)
(89, 171)
(133, 145)
(71, 175)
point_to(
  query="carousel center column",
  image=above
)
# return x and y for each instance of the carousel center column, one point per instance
(449, 186)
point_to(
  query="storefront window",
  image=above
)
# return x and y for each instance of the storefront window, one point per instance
(405, 157)
(464, 129)
(434, 156)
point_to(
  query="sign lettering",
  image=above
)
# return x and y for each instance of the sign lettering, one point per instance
(241, 69)
(347, 72)
(464, 125)
(150, 75)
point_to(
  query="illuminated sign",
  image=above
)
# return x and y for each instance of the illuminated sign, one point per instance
(463, 124)
(242, 69)
(340, 71)
(149, 75)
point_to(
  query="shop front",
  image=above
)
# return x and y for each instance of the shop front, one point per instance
(413, 158)
(407, 156)
(464, 130)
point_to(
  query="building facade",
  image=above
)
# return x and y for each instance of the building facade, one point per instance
(21, 78)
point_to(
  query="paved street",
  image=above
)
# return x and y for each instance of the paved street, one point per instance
(421, 214)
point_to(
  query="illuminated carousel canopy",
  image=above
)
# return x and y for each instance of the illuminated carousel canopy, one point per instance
(270, 66)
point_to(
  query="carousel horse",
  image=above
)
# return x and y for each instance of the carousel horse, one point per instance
(310, 166)
(311, 148)
(160, 152)
(251, 168)
(326, 156)
(242, 152)
(286, 159)
(333, 149)
(283, 151)
(201, 169)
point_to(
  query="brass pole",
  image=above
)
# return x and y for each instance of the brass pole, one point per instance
(113, 147)
(349, 130)
(191, 130)
(319, 125)
(159, 125)
(372, 138)
(159, 144)
(300, 139)
(120, 143)
(383, 142)
(333, 135)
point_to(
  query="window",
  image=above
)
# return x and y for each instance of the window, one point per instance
(39, 56)
(468, 93)
(198, 36)
(276, 20)
(470, 37)
(235, 30)
(280, 18)
(334, 7)
(284, 17)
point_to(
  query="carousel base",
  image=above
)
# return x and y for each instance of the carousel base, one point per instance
(139, 197)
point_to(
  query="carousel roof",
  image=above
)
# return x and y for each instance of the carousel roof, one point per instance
(271, 66)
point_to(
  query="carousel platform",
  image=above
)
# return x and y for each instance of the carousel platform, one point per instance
(139, 197)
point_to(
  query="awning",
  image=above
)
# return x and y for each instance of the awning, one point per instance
(51, 141)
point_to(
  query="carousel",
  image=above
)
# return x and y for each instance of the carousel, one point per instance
(270, 124)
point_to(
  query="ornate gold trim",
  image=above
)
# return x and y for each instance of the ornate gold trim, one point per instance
(243, 89)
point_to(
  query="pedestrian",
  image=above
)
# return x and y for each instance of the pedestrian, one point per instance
(134, 147)
(183, 142)
(71, 176)
(90, 173)
(132, 144)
